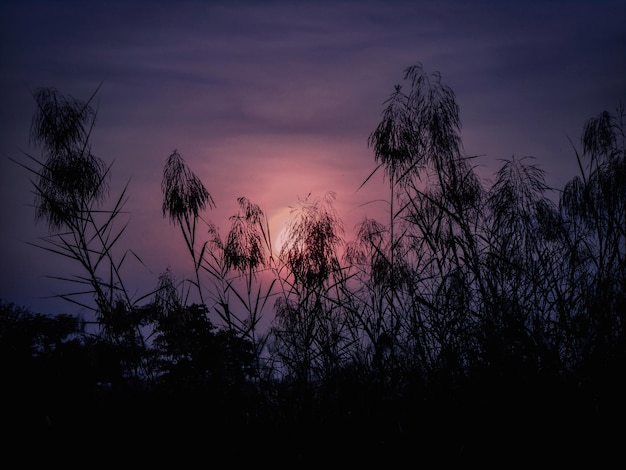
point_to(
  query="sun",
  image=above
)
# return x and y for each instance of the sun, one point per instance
(281, 238)
(279, 227)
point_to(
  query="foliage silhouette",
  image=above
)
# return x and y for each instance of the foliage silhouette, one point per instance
(184, 196)
(500, 304)
(70, 186)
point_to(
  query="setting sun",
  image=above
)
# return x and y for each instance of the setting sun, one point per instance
(279, 227)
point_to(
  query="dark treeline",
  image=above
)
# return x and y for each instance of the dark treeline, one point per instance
(478, 321)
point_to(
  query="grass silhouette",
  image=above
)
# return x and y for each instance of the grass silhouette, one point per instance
(477, 323)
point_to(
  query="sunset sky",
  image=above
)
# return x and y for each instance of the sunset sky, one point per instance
(275, 100)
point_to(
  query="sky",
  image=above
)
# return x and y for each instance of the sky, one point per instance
(276, 100)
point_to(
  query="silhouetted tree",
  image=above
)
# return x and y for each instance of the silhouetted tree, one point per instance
(50, 371)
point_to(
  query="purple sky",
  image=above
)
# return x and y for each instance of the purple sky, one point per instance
(275, 100)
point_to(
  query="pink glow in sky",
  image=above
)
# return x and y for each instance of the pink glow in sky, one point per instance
(276, 100)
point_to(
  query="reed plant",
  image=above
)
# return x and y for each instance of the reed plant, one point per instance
(71, 185)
